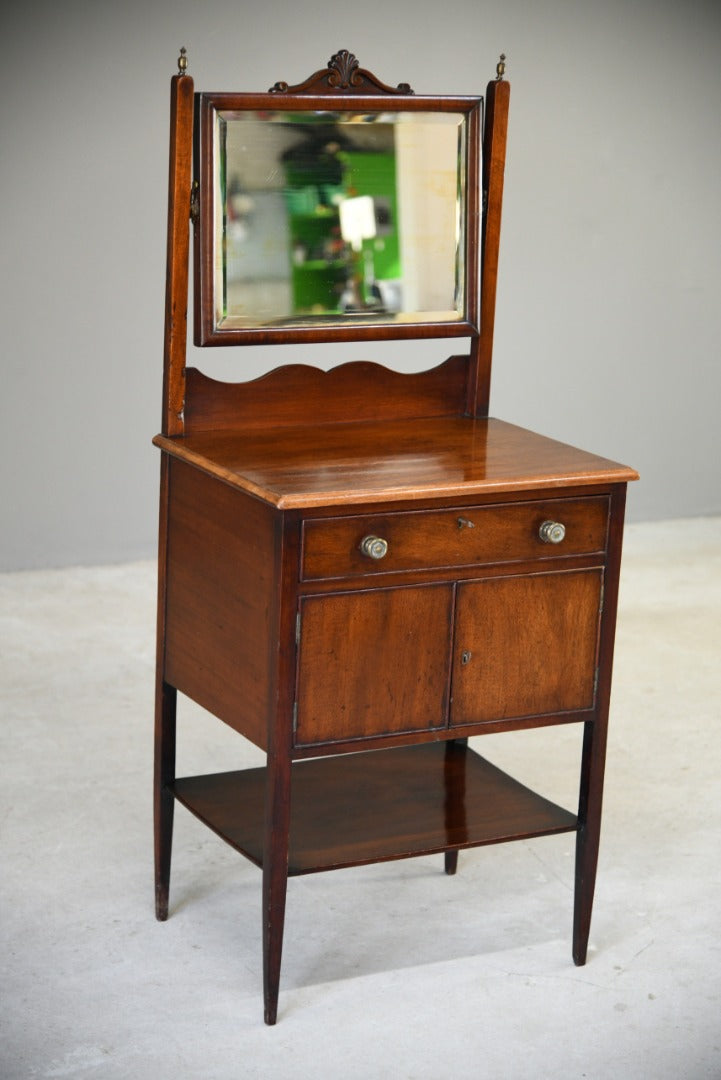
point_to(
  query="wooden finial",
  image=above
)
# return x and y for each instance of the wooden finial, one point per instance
(182, 62)
(501, 67)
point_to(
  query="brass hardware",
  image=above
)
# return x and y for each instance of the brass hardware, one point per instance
(552, 532)
(501, 67)
(183, 62)
(466, 656)
(374, 547)
(465, 523)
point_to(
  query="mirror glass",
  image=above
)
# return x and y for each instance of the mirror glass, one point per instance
(339, 218)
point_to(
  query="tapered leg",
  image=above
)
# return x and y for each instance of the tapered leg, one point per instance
(455, 802)
(164, 801)
(275, 878)
(595, 734)
(588, 837)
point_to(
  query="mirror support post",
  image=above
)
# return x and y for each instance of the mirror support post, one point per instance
(178, 253)
(174, 350)
(494, 161)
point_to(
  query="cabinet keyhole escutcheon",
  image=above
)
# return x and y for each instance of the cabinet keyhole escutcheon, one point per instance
(466, 656)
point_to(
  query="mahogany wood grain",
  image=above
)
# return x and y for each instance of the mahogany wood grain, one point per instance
(494, 162)
(334, 332)
(165, 721)
(233, 101)
(275, 833)
(267, 488)
(458, 574)
(372, 663)
(480, 728)
(174, 349)
(221, 579)
(364, 808)
(276, 826)
(456, 789)
(330, 100)
(163, 802)
(290, 395)
(451, 862)
(525, 645)
(176, 285)
(341, 464)
(456, 537)
(469, 501)
(593, 763)
(341, 75)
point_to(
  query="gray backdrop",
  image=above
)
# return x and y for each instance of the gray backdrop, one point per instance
(608, 312)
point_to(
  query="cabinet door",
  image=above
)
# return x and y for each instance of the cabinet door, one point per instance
(526, 646)
(373, 663)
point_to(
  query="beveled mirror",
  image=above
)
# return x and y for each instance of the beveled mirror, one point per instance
(338, 208)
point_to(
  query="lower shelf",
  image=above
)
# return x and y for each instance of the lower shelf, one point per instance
(371, 807)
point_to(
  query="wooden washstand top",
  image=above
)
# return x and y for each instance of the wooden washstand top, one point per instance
(390, 461)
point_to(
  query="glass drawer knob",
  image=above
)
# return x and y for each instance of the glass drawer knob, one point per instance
(552, 532)
(374, 547)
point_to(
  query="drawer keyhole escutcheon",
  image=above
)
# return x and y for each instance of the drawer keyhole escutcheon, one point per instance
(552, 532)
(374, 547)
(465, 523)
(466, 656)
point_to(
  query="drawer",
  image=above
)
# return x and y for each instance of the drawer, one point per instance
(464, 536)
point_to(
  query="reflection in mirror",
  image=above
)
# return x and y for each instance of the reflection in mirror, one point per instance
(339, 217)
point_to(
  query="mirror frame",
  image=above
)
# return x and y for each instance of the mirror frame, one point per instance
(342, 87)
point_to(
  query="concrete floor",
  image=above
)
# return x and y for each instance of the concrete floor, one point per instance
(390, 971)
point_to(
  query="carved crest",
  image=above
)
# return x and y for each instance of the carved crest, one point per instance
(343, 74)
(343, 67)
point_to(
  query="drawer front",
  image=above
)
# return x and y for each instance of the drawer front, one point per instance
(465, 536)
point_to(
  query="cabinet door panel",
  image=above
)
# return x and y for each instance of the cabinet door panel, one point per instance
(525, 646)
(373, 663)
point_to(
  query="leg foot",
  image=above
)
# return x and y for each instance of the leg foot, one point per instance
(161, 904)
(451, 862)
(586, 857)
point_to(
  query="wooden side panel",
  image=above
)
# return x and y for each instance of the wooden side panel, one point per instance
(526, 645)
(373, 663)
(221, 579)
(298, 394)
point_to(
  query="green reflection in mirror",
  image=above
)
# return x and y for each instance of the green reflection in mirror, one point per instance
(325, 217)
